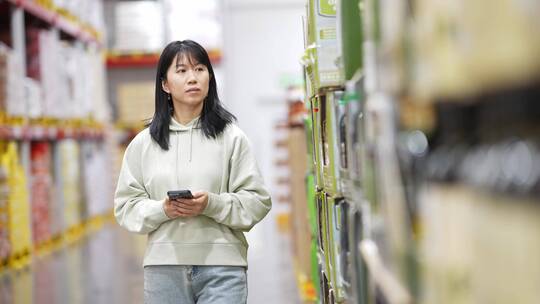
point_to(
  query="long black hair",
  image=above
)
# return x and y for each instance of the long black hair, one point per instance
(214, 117)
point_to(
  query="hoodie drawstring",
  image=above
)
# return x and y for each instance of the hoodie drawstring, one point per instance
(177, 128)
(190, 142)
(177, 151)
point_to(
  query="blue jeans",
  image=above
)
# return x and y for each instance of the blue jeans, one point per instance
(195, 284)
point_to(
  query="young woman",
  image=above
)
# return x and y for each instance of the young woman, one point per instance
(196, 251)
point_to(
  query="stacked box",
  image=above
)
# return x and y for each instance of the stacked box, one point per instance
(474, 242)
(33, 94)
(11, 83)
(33, 49)
(96, 91)
(3, 77)
(459, 52)
(330, 120)
(69, 82)
(41, 191)
(139, 26)
(71, 79)
(322, 52)
(86, 75)
(50, 73)
(82, 90)
(68, 151)
(5, 246)
(98, 194)
(91, 12)
(15, 104)
(199, 22)
(18, 201)
(87, 12)
(134, 102)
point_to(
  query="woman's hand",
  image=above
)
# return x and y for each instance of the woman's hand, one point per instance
(170, 209)
(186, 207)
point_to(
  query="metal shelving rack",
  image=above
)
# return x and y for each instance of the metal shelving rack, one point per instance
(431, 141)
(24, 130)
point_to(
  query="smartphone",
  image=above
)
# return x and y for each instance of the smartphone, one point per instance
(179, 194)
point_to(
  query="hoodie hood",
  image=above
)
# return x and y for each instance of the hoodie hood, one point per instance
(176, 126)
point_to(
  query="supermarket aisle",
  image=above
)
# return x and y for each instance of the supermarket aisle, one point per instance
(106, 268)
(101, 269)
(271, 271)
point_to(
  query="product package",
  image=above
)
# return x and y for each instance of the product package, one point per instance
(321, 57)
(41, 191)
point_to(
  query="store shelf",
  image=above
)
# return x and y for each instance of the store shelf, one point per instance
(33, 132)
(56, 19)
(141, 60)
(146, 60)
(389, 285)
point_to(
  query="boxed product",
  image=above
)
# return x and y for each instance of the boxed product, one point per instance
(462, 51)
(18, 201)
(33, 96)
(321, 57)
(33, 48)
(96, 90)
(68, 151)
(196, 20)
(41, 186)
(135, 102)
(5, 245)
(50, 73)
(4, 52)
(96, 176)
(11, 83)
(139, 26)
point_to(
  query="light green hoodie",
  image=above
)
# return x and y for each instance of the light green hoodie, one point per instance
(224, 167)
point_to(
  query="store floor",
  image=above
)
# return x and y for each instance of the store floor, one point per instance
(106, 268)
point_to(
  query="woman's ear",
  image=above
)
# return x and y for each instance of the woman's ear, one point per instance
(164, 86)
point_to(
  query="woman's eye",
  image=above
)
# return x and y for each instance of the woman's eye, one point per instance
(200, 69)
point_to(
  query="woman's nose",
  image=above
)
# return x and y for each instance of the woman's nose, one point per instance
(191, 77)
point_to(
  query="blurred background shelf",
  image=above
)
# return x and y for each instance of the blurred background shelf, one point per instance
(61, 19)
(146, 60)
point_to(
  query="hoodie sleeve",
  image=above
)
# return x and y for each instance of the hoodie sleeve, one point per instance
(133, 209)
(248, 200)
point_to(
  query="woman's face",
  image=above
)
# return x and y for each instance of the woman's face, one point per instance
(187, 81)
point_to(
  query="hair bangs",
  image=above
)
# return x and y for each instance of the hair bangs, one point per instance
(192, 55)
